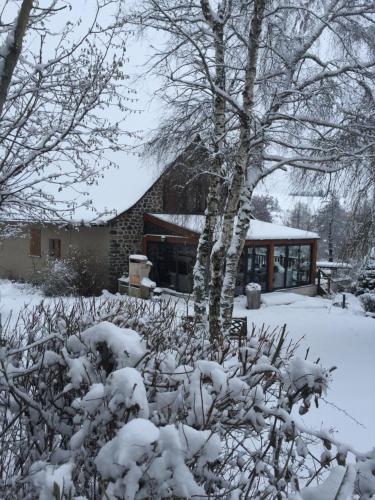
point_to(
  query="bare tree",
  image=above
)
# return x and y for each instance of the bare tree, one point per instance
(300, 216)
(287, 101)
(57, 76)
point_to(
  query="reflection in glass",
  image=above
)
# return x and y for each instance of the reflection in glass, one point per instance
(256, 266)
(279, 265)
(291, 266)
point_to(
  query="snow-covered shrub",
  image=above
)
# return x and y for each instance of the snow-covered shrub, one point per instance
(79, 273)
(368, 301)
(58, 279)
(89, 271)
(366, 278)
(111, 398)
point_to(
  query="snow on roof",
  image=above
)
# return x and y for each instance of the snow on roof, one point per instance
(333, 265)
(258, 230)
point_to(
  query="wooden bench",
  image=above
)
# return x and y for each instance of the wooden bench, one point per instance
(238, 327)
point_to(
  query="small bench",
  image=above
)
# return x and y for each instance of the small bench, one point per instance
(238, 327)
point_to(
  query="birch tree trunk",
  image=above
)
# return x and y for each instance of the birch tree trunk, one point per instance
(234, 253)
(212, 211)
(220, 295)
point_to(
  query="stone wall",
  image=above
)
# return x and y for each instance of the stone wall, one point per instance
(126, 231)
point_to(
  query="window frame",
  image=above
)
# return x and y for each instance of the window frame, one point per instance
(35, 242)
(52, 249)
(285, 277)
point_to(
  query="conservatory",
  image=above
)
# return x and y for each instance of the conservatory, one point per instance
(276, 257)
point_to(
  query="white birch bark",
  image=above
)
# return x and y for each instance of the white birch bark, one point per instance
(206, 240)
(231, 239)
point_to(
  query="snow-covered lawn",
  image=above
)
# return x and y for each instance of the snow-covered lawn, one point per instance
(342, 338)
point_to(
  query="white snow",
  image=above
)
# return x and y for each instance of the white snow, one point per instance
(253, 286)
(124, 450)
(258, 230)
(49, 478)
(146, 282)
(333, 265)
(127, 389)
(351, 302)
(337, 486)
(15, 296)
(339, 337)
(126, 457)
(124, 343)
(281, 298)
(138, 258)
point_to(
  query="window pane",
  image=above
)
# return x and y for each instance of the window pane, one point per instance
(256, 266)
(55, 248)
(298, 269)
(292, 266)
(279, 266)
(304, 264)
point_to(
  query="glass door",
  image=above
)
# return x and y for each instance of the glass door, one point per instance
(256, 271)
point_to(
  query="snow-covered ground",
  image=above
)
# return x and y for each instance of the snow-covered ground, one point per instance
(342, 338)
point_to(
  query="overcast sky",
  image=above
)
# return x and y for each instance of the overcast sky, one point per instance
(120, 188)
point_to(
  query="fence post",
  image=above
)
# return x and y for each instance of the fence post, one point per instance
(343, 300)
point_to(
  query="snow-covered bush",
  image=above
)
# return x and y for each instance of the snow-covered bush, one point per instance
(366, 278)
(366, 283)
(112, 398)
(368, 301)
(59, 278)
(79, 273)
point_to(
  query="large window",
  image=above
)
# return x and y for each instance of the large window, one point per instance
(252, 268)
(291, 266)
(172, 265)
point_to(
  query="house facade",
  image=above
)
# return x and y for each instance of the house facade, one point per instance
(274, 256)
(164, 224)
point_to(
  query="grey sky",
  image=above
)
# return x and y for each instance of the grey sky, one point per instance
(120, 188)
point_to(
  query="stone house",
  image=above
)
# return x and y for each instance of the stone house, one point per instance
(164, 224)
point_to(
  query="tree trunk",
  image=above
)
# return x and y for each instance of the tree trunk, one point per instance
(219, 251)
(203, 252)
(234, 233)
(12, 50)
(213, 209)
(233, 256)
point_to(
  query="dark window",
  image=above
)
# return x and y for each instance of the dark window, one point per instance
(172, 265)
(35, 242)
(292, 265)
(55, 248)
(252, 268)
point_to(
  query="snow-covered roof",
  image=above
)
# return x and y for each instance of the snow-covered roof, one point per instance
(333, 265)
(258, 230)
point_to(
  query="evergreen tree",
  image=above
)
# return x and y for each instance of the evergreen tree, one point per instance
(331, 224)
(265, 208)
(300, 217)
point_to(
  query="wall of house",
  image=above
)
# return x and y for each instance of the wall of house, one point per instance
(126, 232)
(171, 193)
(16, 262)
